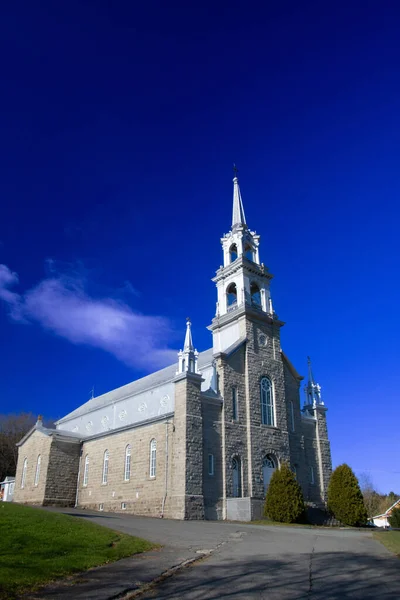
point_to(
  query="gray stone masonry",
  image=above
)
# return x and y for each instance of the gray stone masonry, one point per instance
(187, 449)
(62, 474)
(212, 444)
(324, 450)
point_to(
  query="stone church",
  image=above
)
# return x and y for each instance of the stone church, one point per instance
(202, 437)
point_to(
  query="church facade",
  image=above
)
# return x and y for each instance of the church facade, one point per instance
(201, 438)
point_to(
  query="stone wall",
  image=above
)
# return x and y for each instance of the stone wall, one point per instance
(62, 473)
(212, 444)
(37, 444)
(142, 494)
(311, 491)
(187, 449)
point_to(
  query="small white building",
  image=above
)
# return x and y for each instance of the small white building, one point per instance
(7, 489)
(383, 519)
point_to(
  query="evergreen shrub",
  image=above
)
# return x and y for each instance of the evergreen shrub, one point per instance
(345, 500)
(284, 499)
(394, 518)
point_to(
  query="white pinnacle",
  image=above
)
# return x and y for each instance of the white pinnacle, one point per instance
(238, 217)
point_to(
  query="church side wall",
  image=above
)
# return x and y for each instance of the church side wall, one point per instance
(212, 444)
(296, 442)
(37, 444)
(142, 494)
(311, 490)
(62, 474)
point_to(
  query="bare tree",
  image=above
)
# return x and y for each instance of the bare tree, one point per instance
(12, 429)
(372, 499)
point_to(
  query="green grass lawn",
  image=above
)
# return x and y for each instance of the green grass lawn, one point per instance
(390, 539)
(37, 546)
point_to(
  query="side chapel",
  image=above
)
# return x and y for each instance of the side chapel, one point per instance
(201, 438)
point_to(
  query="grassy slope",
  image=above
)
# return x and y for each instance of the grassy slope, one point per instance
(37, 546)
(390, 539)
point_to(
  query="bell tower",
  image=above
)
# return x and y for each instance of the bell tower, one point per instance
(243, 283)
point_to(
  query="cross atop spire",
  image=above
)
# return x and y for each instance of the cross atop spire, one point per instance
(238, 216)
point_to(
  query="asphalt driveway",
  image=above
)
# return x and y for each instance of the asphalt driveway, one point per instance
(241, 562)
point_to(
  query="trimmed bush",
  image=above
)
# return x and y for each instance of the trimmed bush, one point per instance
(394, 518)
(284, 500)
(345, 500)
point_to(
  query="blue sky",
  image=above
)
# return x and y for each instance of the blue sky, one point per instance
(119, 126)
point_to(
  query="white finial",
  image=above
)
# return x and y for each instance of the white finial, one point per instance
(312, 389)
(187, 358)
(238, 216)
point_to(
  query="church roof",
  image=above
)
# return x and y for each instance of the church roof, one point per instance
(135, 387)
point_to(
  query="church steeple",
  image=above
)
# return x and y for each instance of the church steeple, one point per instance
(238, 216)
(187, 358)
(312, 389)
(242, 281)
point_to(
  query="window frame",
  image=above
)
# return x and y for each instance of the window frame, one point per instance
(211, 465)
(106, 460)
(23, 474)
(267, 407)
(37, 471)
(235, 403)
(153, 459)
(127, 464)
(86, 471)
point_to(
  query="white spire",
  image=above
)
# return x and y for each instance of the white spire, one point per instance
(188, 347)
(312, 389)
(238, 216)
(187, 358)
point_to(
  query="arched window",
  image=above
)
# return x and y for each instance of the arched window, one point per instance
(291, 416)
(105, 467)
(231, 295)
(23, 476)
(153, 457)
(248, 252)
(237, 477)
(37, 473)
(268, 467)
(267, 402)
(127, 473)
(233, 252)
(86, 471)
(255, 295)
(235, 411)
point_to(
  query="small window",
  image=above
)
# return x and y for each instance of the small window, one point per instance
(23, 477)
(312, 478)
(101, 506)
(37, 473)
(233, 252)
(237, 477)
(127, 471)
(248, 252)
(123, 505)
(235, 414)
(86, 471)
(153, 458)
(267, 402)
(231, 295)
(291, 416)
(211, 464)
(255, 295)
(105, 467)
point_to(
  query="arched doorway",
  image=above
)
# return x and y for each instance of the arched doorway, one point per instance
(268, 467)
(237, 477)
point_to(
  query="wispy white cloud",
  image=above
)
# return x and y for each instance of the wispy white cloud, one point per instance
(61, 304)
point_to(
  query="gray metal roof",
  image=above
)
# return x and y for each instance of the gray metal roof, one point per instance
(135, 387)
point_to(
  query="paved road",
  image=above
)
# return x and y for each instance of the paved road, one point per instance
(254, 562)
